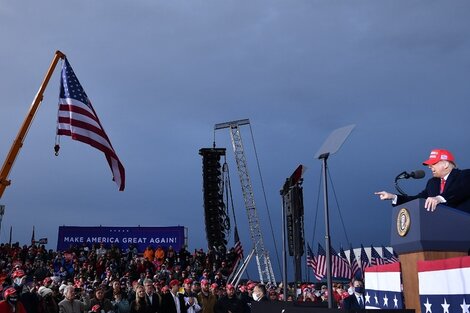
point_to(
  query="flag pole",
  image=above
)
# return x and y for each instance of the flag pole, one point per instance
(20, 137)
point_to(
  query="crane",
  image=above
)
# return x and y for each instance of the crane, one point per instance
(20, 137)
(265, 270)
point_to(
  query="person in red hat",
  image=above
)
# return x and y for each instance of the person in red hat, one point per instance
(230, 302)
(11, 303)
(206, 299)
(449, 185)
(173, 302)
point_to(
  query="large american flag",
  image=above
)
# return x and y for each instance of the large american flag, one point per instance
(78, 119)
(339, 267)
(355, 268)
(388, 256)
(375, 258)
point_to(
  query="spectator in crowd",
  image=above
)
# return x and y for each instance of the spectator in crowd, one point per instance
(120, 304)
(105, 304)
(356, 300)
(47, 301)
(72, 305)
(259, 293)
(149, 254)
(140, 305)
(173, 302)
(205, 298)
(11, 304)
(229, 303)
(153, 299)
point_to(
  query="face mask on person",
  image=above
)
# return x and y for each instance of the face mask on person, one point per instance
(18, 281)
(256, 297)
(12, 299)
(359, 290)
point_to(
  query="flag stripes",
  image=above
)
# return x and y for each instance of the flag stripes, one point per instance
(77, 119)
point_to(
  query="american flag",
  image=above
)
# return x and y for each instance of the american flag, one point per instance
(375, 258)
(384, 287)
(78, 119)
(238, 245)
(355, 268)
(364, 260)
(311, 260)
(339, 267)
(320, 271)
(388, 256)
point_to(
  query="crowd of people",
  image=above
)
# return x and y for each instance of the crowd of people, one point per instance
(105, 279)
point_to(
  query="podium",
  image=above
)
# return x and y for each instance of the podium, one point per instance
(418, 234)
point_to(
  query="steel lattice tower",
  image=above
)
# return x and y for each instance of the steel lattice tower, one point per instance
(265, 270)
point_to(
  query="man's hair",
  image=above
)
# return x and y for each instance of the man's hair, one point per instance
(262, 288)
(148, 281)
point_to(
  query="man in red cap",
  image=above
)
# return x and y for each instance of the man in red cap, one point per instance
(206, 299)
(11, 303)
(229, 303)
(173, 302)
(449, 185)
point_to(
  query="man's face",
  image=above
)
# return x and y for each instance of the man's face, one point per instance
(205, 287)
(230, 292)
(358, 283)
(440, 169)
(148, 288)
(69, 294)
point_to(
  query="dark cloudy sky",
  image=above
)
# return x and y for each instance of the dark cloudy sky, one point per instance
(160, 74)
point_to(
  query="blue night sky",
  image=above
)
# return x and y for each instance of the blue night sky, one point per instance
(160, 74)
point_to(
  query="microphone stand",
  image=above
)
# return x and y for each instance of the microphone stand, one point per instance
(401, 176)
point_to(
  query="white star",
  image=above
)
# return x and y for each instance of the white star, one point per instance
(367, 297)
(376, 299)
(465, 306)
(395, 302)
(445, 306)
(385, 300)
(428, 306)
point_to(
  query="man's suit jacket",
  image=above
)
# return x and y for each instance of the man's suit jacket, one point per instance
(350, 303)
(154, 303)
(169, 306)
(456, 191)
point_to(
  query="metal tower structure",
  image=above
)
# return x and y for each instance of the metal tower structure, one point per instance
(265, 269)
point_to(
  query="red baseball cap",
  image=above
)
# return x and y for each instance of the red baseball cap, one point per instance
(229, 286)
(174, 282)
(204, 282)
(437, 155)
(188, 281)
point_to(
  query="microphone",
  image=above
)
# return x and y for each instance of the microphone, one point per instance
(418, 174)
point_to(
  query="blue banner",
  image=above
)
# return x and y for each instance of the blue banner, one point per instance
(123, 237)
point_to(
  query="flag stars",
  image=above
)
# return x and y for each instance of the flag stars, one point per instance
(445, 306)
(367, 296)
(465, 307)
(385, 300)
(376, 299)
(428, 306)
(395, 302)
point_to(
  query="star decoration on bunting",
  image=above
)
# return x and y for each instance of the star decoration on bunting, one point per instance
(385, 300)
(465, 307)
(445, 306)
(395, 302)
(367, 296)
(428, 306)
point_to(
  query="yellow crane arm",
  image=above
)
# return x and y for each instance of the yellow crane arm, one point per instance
(20, 137)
